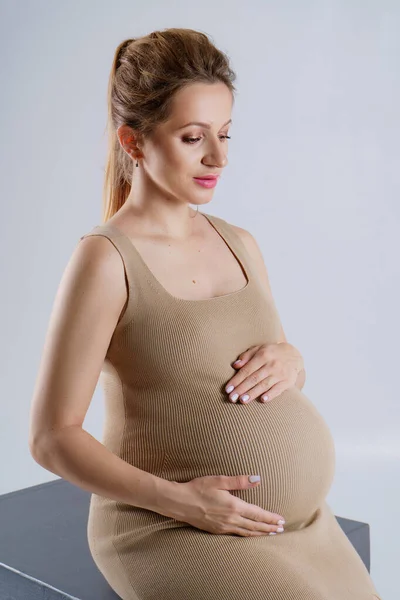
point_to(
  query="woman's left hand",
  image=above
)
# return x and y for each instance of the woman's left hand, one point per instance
(270, 368)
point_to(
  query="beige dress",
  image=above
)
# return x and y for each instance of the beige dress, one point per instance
(167, 413)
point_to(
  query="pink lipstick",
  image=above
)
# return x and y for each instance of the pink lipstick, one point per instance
(208, 181)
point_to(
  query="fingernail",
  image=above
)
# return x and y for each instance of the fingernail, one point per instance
(237, 361)
(254, 478)
(281, 522)
(229, 388)
(234, 397)
(280, 529)
(272, 533)
(245, 397)
(264, 398)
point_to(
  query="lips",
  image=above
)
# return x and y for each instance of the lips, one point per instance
(206, 182)
(212, 177)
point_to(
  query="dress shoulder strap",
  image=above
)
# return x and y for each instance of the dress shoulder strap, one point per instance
(130, 264)
(234, 241)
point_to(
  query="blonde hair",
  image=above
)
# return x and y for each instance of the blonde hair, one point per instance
(145, 74)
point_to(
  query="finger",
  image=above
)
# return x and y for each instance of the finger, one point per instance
(246, 533)
(257, 383)
(259, 525)
(274, 391)
(245, 357)
(256, 513)
(261, 389)
(256, 363)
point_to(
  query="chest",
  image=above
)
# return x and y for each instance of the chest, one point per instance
(201, 269)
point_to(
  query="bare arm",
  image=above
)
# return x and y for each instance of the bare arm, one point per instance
(78, 457)
(89, 302)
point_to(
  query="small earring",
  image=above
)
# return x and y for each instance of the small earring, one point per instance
(137, 163)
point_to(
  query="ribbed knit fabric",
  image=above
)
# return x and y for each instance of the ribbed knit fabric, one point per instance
(167, 413)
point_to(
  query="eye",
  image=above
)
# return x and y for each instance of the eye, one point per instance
(192, 140)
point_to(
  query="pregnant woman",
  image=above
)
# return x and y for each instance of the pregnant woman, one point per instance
(160, 301)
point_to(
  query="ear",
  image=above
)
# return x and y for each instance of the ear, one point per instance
(129, 140)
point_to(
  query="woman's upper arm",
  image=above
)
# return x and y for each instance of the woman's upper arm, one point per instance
(88, 304)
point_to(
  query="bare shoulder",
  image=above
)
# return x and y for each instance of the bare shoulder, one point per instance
(254, 251)
(97, 252)
(252, 247)
(96, 262)
(249, 241)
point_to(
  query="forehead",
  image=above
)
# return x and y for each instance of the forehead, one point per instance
(211, 103)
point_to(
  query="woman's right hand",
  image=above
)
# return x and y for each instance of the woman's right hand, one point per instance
(209, 506)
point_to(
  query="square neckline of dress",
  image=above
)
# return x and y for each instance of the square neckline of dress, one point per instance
(158, 284)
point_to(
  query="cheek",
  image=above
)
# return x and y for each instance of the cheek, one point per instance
(173, 163)
(180, 163)
(170, 172)
(168, 158)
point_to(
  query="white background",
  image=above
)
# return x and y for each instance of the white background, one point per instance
(313, 174)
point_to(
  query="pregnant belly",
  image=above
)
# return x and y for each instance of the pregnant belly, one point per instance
(285, 441)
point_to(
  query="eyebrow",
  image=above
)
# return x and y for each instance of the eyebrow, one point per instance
(207, 125)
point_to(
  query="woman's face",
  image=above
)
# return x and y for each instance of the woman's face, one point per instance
(177, 152)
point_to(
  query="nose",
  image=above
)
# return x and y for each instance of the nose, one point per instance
(217, 157)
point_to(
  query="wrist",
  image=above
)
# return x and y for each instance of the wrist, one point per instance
(170, 499)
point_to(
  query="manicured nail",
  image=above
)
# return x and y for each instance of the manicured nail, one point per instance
(264, 398)
(245, 397)
(254, 478)
(234, 397)
(229, 388)
(237, 361)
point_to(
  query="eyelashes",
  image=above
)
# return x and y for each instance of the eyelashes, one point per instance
(193, 140)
